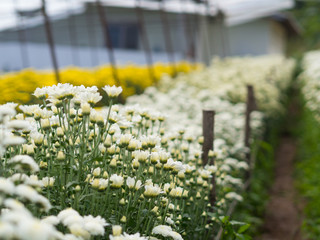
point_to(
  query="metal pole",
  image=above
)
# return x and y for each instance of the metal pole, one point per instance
(187, 35)
(167, 35)
(105, 30)
(23, 47)
(92, 39)
(22, 39)
(208, 135)
(206, 30)
(250, 106)
(73, 37)
(145, 42)
(50, 40)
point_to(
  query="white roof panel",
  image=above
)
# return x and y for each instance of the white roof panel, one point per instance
(236, 11)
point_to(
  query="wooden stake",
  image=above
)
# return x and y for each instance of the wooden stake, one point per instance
(251, 106)
(208, 135)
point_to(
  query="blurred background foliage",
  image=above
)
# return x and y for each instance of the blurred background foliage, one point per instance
(307, 13)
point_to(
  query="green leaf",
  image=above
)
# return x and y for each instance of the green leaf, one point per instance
(243, 228)
(233, 222)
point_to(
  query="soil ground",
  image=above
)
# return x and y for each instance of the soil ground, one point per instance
(283, 217)
(283, 214)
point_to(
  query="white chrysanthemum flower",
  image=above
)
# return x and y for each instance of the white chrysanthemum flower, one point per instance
(14, 204)
(166, 231)
(126, 236)
(6, 186)
(73, 219)
(71, 237)
(37, 137)
(33, 181)
(243, 165)
(7, 230)
(11, 140)
(48, 181)
(152, 191)
(40, 93)
(113, 91)
(79, 231)
(90, 97)
(125, 139)
(32, 195)
(29, 109)
(18, 124)
(95, 225)
(205, 174)
(35, 229)
(169, 221)
(66, 213)
(233, 195)
(24, 162)
(52, 220)
(117, 181)
(7, 110)
(130, 182)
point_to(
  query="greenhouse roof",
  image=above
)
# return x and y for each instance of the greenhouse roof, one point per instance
(235, 11)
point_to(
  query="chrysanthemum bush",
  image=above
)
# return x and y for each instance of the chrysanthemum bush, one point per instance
(310, 79)
(309, 134)
(189, 101)
(115, 173)
(133, 79)
(225, 78)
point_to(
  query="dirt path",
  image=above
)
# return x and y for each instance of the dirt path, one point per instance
(283, 219)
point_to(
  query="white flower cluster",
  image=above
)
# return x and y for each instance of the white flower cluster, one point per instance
(227, 78)
(19, 191)
(126, 162)
(310, 78)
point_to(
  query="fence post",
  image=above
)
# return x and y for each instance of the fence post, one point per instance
(208, 137)
(250, 106)
(50, 40)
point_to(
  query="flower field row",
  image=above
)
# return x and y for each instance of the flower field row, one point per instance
(311, 84)
(129, 171)
(309, 159)
(270, 75)
(134, 79)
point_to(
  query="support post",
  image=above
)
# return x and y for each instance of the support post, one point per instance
(187, 35)
(23, 47)
(208, 138)
(108, 42)
(90, 25)
(167, 36)
(144, 38)
(250, 106)
(73, 37)
(50, 40)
